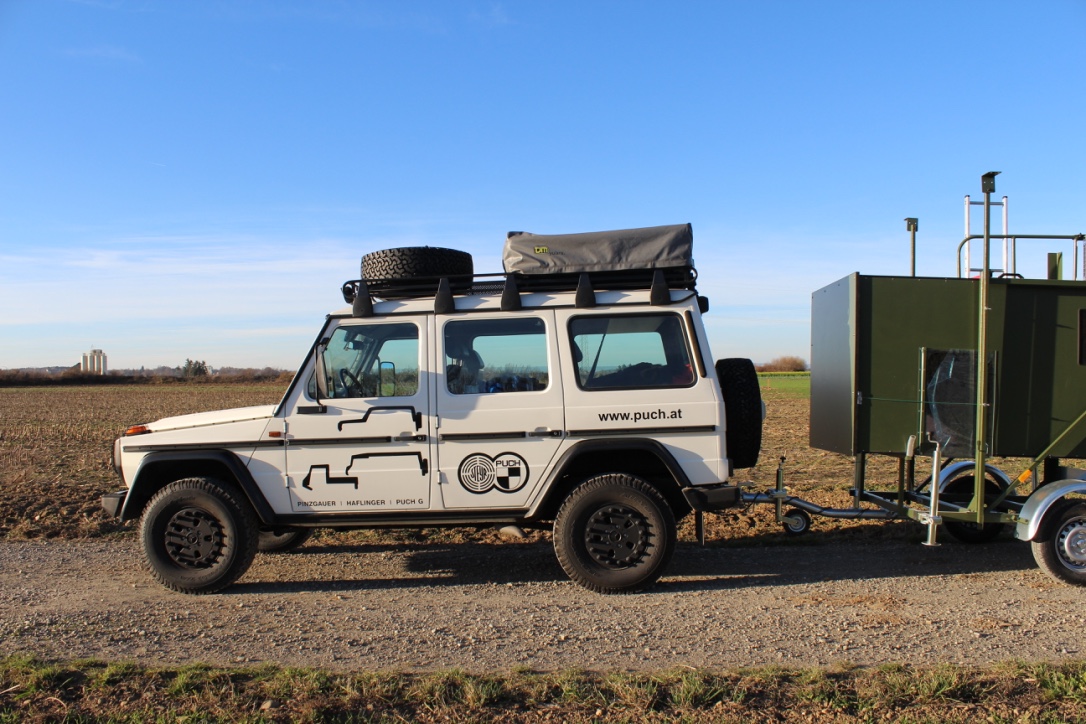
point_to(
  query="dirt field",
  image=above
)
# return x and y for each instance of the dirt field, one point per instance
(55, 448)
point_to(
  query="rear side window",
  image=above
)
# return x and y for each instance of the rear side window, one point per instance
(639, 351)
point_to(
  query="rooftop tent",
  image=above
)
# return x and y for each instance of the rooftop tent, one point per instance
(654, 247)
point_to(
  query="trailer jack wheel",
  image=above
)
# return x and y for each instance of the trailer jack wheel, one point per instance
(796, 521)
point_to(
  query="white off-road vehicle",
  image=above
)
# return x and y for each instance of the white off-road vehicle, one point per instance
(575, 391)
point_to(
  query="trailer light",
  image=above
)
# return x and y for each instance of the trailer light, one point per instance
(137, 430)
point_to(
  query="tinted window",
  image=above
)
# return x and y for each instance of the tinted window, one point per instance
(496, 355)
(630, 351)
(379, 360)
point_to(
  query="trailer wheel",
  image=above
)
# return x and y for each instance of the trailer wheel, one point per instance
(1060, 546)
(796, 521)
(615, 533)
(960, 491)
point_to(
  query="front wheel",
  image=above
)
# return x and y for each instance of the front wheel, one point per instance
(199, 535)
(1060, 546)
(615, 533)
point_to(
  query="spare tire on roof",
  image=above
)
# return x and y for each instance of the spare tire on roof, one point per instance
(384, 270)
(416, 261)
(743, 410)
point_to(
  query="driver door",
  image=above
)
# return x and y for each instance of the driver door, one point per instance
(361, 444)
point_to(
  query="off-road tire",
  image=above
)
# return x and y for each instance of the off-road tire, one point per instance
(416, 261)
(742, 410)
(1060, 545)
(270, 541)
(615, 533)
(960, 490)
(199, 535)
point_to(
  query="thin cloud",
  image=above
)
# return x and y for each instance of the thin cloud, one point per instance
(494, 16)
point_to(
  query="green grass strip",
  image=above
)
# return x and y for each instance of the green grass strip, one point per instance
(32, 689)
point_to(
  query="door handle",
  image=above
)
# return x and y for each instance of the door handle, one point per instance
(546, 433)
(410, 438)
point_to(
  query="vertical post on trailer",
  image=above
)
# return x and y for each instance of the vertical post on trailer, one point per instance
(1010, 245)
(987, 185)
(932, 519)
(968, 246)
(911, 224)
(859, 475)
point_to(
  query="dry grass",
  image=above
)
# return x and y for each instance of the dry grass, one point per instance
(34, 690)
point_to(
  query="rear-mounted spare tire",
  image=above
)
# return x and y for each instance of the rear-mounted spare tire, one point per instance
(406, 271)
(742, 410)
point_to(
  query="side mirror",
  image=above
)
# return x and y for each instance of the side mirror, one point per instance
(319, 370)
(387, 381)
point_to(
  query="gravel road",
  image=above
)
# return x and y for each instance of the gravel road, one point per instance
(492, 607)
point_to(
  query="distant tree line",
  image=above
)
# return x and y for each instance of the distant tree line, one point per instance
(193, 371)
(784, 364)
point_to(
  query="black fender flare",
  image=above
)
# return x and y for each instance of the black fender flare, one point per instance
(150, 478)
(550, 488)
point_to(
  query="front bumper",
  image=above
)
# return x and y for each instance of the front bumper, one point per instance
(114, 503)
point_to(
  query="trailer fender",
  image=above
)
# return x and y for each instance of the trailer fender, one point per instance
(1033, 512)
(956, 470)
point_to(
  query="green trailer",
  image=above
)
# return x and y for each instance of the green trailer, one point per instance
(952, 372)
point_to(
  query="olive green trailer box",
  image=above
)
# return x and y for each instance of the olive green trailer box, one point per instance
(893, 357)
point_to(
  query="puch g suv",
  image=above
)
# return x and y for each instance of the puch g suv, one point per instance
(576, 391)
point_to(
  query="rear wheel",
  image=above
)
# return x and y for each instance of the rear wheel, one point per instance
(615, 533)
(199, 535)
(283, 541)
(1060, 545)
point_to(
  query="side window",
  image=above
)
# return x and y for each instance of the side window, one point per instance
(630, 352)
(378, 360)
(496, 355)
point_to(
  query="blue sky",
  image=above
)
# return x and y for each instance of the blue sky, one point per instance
(196, 179)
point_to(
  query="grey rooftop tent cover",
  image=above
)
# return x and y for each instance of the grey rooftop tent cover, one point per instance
(653, 247)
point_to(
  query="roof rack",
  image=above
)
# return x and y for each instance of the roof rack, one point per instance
(360, 292)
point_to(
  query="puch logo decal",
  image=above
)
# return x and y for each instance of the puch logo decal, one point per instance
(542, 250)
(481, 473)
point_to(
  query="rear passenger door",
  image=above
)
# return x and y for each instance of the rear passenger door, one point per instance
(499, 407)
(634, 376)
